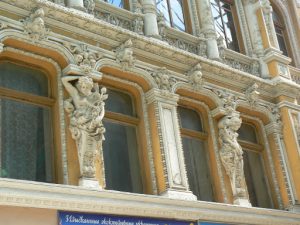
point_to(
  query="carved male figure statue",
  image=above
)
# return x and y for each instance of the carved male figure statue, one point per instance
(231, 154)
(86, 111)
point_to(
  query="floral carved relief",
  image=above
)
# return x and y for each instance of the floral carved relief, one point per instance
(86, 111)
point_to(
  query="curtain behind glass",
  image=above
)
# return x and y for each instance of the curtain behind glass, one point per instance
(25, 144)
(122, 169)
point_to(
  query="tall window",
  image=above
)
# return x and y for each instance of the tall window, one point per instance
(222, 11)
(121, 158)
(25, 124)
(195, 154)
(119, 3)
(254, 168)
(174, 12)
(280, 33)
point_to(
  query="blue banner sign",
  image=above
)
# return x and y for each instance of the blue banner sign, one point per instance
(71, 218)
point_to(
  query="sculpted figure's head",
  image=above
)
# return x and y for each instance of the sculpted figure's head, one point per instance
(234, 123)
(85, 85)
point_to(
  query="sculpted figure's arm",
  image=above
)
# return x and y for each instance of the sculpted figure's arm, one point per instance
(69, 87)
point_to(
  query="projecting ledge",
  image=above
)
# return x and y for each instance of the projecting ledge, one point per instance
(79, 199)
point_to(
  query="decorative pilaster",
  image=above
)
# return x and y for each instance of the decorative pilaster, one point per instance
(172, 177)
(208, 28)
(150, 19)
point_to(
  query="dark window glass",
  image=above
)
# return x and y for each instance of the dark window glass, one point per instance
(23, 79)
(25, 131)
(279, 29)
(255, 180)
(224, 23)
(173, 13)
(120, 148)
(119, 102)
(195, 155)
(247, 133)
(189, 119)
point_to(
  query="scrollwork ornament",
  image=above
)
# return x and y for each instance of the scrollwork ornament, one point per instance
(124, 55)
(252, 94)
(34, 25)
(195, 77)
(84, 58)
(86, 111)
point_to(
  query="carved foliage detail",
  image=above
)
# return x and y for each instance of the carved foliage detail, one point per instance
(85, 58)
(89, 5)
(34, 25)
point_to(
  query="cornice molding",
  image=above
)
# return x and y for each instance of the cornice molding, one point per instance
(73, 198)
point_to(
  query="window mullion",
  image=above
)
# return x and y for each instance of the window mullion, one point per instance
(170, 13)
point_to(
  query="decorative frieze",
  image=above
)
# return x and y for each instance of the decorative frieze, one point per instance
(113, 19)
(85, 58)
(124, 55)
(86, 111)
(34, 25)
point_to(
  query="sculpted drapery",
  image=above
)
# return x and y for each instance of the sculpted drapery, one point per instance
(86, 111)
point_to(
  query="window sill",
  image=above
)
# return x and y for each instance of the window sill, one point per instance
(73, 198)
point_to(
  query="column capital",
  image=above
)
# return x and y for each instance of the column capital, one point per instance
(164, 96)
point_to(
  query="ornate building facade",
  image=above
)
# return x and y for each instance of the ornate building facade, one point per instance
(177, 110)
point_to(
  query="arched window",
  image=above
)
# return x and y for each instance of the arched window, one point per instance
(280, 33)
(25, 118)
(119, 3)
(223, 13)
(120, 148)
(195, 154)
(175, 13)
(254, 167)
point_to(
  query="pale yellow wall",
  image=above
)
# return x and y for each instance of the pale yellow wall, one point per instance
(27, 216)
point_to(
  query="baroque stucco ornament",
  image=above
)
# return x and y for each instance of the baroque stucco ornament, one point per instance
(124, 55)
(86, 111)
(195, 77)
(163, 79)
(231, 155)
(252, 94)
(34, 25)
(84, 58)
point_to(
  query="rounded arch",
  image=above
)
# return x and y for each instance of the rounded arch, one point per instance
(203, 95)
(286, 15)
(136, 75)
(45, 48)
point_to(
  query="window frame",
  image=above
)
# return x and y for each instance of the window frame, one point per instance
(186, 16)
(126, 4)
(36, 100)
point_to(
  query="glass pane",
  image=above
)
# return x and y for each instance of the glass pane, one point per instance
(25, 141)
(119, 102)
(162, 7)
(247, 133)
(177, 15)
(189, 119)
(197, 168)
(255, 180)
(118, 3)
(122, 169)
(22, 78)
